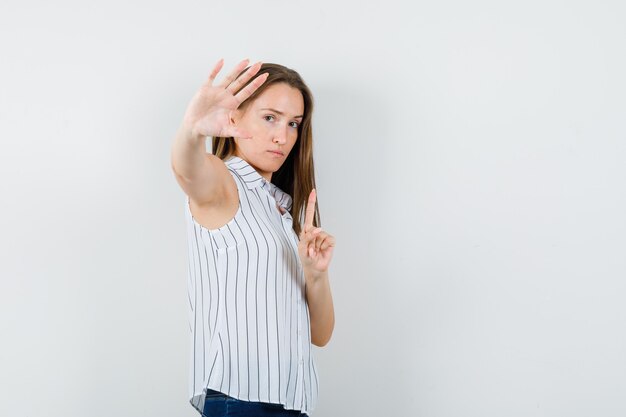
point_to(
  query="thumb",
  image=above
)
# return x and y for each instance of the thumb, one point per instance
(237, 132)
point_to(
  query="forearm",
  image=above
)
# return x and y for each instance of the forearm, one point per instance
(188, 153)
(321, 310)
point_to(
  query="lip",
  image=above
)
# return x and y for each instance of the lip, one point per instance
(277, 153)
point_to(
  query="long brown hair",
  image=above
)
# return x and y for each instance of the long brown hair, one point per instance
(296, 176)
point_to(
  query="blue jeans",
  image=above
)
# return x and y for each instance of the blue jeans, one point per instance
(217, 404)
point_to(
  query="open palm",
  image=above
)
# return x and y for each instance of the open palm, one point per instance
(208, 113)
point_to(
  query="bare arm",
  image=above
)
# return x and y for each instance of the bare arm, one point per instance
(321, 310)
(188, 153)
(201, 175)
(316, 250)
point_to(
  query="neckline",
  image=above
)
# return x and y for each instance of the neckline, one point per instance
(253, 179)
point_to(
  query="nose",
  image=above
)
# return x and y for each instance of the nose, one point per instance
(280, 136)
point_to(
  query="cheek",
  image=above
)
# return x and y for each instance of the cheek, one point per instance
(255, 125)
(292, 141)
(265, 129)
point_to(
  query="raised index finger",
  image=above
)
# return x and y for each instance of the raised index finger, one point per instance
(310, 210)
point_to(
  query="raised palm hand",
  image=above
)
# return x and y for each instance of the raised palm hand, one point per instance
(208, 113)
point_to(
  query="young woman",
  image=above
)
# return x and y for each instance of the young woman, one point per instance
(258, 285)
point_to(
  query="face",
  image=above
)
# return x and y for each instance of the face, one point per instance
(272, 120)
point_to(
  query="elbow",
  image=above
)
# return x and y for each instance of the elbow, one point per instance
(321, 333)
(320, 342)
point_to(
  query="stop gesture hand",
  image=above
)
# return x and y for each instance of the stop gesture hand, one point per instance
(316, 246)
(208, 113)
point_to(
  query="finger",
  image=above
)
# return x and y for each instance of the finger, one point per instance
(247, 91)
(328, 243)
(312, 248)
(310, 210)
(306, 237)
(321, 238)
(243, 78)
(235, 132)
(311, 235)
(216, 69)
(318, 236)
(233, 74)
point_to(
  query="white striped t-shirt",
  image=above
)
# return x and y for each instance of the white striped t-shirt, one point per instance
(248, 316)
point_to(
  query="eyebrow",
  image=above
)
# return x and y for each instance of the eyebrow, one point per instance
(280, 112)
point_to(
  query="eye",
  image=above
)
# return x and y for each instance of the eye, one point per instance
(269, 115)
(295, 125)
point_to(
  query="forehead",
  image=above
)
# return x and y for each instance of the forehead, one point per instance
(281, 97)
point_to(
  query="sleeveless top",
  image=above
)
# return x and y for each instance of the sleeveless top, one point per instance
(248, 316)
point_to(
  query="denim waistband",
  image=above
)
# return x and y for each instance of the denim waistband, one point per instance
(213, 392)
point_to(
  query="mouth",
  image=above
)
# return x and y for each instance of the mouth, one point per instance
(277, 153)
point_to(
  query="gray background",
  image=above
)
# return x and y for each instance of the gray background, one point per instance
(470, 162)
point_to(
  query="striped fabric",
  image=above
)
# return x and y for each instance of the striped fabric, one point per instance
(248, 317)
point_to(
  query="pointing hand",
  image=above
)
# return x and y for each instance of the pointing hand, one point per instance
(316, 246)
